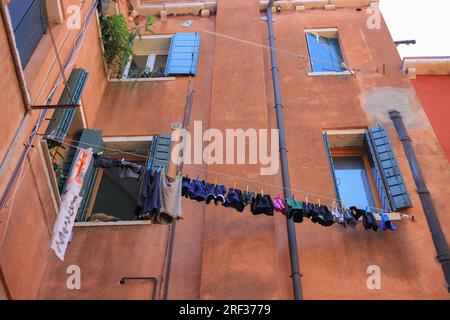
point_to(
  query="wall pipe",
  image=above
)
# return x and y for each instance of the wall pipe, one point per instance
(439, 240)
(292, 239)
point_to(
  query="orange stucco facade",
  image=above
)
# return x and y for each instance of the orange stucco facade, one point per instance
(219, 253)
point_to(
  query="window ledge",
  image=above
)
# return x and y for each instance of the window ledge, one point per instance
(343, 73)
(143, 79)
(112, 224)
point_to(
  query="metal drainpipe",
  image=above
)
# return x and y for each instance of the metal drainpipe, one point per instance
(440, 243)
(293, 251)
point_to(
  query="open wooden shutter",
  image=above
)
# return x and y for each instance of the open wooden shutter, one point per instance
(387, 172)
(159, 154)
(183, 54)
(62, 118)
(88, 139)
(330, 159)
(29, 24)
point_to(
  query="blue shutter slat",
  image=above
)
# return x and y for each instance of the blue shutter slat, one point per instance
(389, 168)
(62, 118)
(183, 54)
(330, 160)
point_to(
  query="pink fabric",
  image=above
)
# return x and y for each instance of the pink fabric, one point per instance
(279, 205)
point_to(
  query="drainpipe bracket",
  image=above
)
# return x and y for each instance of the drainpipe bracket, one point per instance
(443, 258)
(423, 190)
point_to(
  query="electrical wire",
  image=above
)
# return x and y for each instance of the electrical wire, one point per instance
(238, 178)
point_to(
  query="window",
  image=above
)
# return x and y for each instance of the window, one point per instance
(166, 55)
(325, 52)
(112, 196)
(353, 178)
(365, 170)
(29, 23)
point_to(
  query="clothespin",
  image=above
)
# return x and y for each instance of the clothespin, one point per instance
(306, 200)
(319, 202)
(246, 189)
(262, 192)
(234, 186)
(343, 206)
(215, 182)
(333, 204)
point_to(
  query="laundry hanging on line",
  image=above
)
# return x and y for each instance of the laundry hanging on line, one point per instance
(159, 198)
(201, 191)
(127, 169)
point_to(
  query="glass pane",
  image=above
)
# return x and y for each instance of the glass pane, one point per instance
(138, 65)
(160, 65)
(353, 182)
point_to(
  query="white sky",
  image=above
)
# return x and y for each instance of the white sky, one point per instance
(426, 21)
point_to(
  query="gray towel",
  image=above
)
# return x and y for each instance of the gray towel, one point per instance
(170, 194)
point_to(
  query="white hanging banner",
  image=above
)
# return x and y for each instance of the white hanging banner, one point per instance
(70, 202)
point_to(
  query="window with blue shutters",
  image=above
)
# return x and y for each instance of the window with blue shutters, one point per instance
(29, 23)
(364, 169)
(183, 54)
(324, 51)
(62, 118)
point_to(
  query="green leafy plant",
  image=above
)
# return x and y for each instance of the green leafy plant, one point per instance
(58, 160)
(118, 39)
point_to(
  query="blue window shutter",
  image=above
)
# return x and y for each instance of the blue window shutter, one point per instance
(183, 54)
(29, 24)
(378, 175)
(330, 159)
(324, 54)
(88, 139)
(159, 154)
(62, 118)
(388, 168)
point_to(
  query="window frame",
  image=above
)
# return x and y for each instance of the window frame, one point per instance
(150, 56)
(333, 32)
(108, 141)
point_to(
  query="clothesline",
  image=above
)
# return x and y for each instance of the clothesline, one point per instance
(236, 178)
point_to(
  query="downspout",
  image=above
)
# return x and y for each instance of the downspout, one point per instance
(439, 240)
(292, 238)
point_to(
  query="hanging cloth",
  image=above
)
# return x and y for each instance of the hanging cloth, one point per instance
(149, 201)
(386, 223)
(170, 197)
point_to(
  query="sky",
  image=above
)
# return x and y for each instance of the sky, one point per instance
(426, 21)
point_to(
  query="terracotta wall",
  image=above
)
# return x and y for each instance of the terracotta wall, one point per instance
(218, 252)
(434, 94)
(27, 221)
